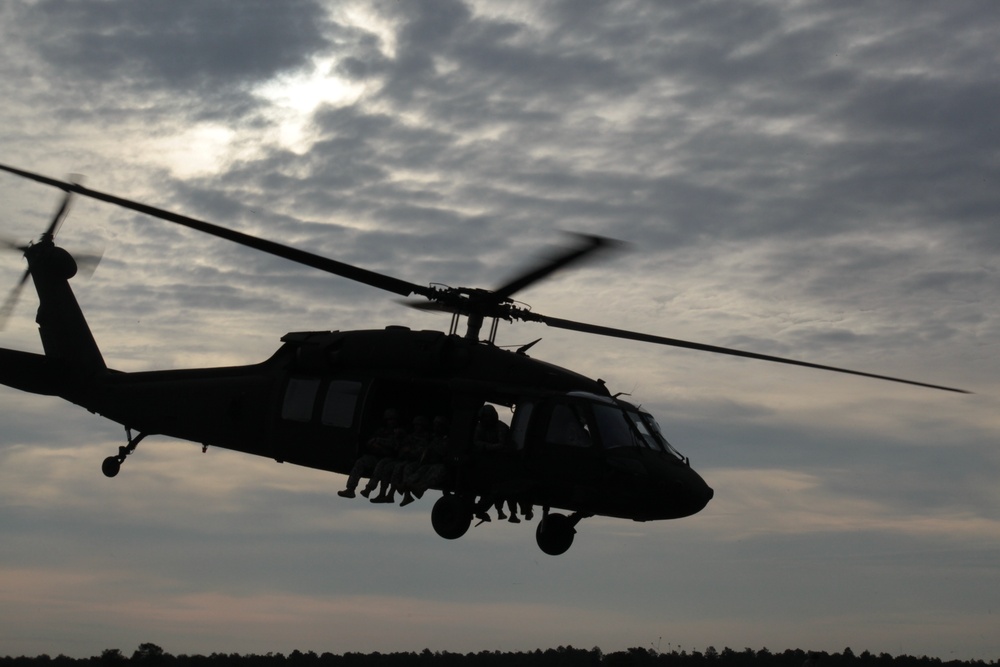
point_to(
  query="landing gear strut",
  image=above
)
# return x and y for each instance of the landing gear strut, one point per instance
(113, 464)
(555, 532)
(451, 516)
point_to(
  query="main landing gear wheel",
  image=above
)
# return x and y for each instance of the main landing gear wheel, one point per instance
(555, 534)
(451, 516)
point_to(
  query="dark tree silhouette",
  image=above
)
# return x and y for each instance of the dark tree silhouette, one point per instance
(151, 655)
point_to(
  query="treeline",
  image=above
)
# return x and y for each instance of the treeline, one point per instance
(151, 655)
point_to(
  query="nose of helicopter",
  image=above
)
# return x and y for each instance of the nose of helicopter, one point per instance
(701, 494)
(707, 493)
(697, 493)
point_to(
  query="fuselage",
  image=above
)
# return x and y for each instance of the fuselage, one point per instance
(318, 399)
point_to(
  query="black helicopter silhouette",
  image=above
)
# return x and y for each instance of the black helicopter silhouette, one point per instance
(321, 400)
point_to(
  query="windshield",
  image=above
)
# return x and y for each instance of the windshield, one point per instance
(657, 433)
(630, 428)
(624, 428)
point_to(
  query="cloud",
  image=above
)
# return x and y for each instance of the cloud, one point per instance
(184, 49)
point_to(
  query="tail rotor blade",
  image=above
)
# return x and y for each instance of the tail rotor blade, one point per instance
(11, 244)
(11, 301)
(87, 263)
(57, 220)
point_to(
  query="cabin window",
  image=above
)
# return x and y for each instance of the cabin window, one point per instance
(341, 399)
(568, 426)
(300, 397)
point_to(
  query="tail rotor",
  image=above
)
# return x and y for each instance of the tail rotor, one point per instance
(48, 236)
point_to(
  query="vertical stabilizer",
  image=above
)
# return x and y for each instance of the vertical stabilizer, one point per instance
(66, 337)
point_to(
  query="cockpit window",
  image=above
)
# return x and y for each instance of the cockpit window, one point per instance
(646, 438)
(657, 432)
(568, 426)
(629, 428)
(614, 427)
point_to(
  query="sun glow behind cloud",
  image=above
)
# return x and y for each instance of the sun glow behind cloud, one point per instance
(295, 97)
(199, 151)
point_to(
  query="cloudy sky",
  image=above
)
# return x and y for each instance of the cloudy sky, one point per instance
(812, 180)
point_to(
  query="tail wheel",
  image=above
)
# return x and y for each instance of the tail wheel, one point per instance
(555, 534)
(451, 516)
(111, 466)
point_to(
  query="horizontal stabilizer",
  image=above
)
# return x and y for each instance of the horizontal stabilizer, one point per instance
(31, 372)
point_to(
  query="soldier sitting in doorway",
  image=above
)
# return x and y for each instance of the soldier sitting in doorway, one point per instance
(492, 436)
(391, 470)
(383, 443)
(430, 470)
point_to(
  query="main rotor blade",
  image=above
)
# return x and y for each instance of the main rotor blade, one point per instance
(674, 342)
(381, 281)
(587, 246)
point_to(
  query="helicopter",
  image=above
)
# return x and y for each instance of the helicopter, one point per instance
(323, 397)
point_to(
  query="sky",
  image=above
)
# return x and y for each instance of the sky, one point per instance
(804, 179)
